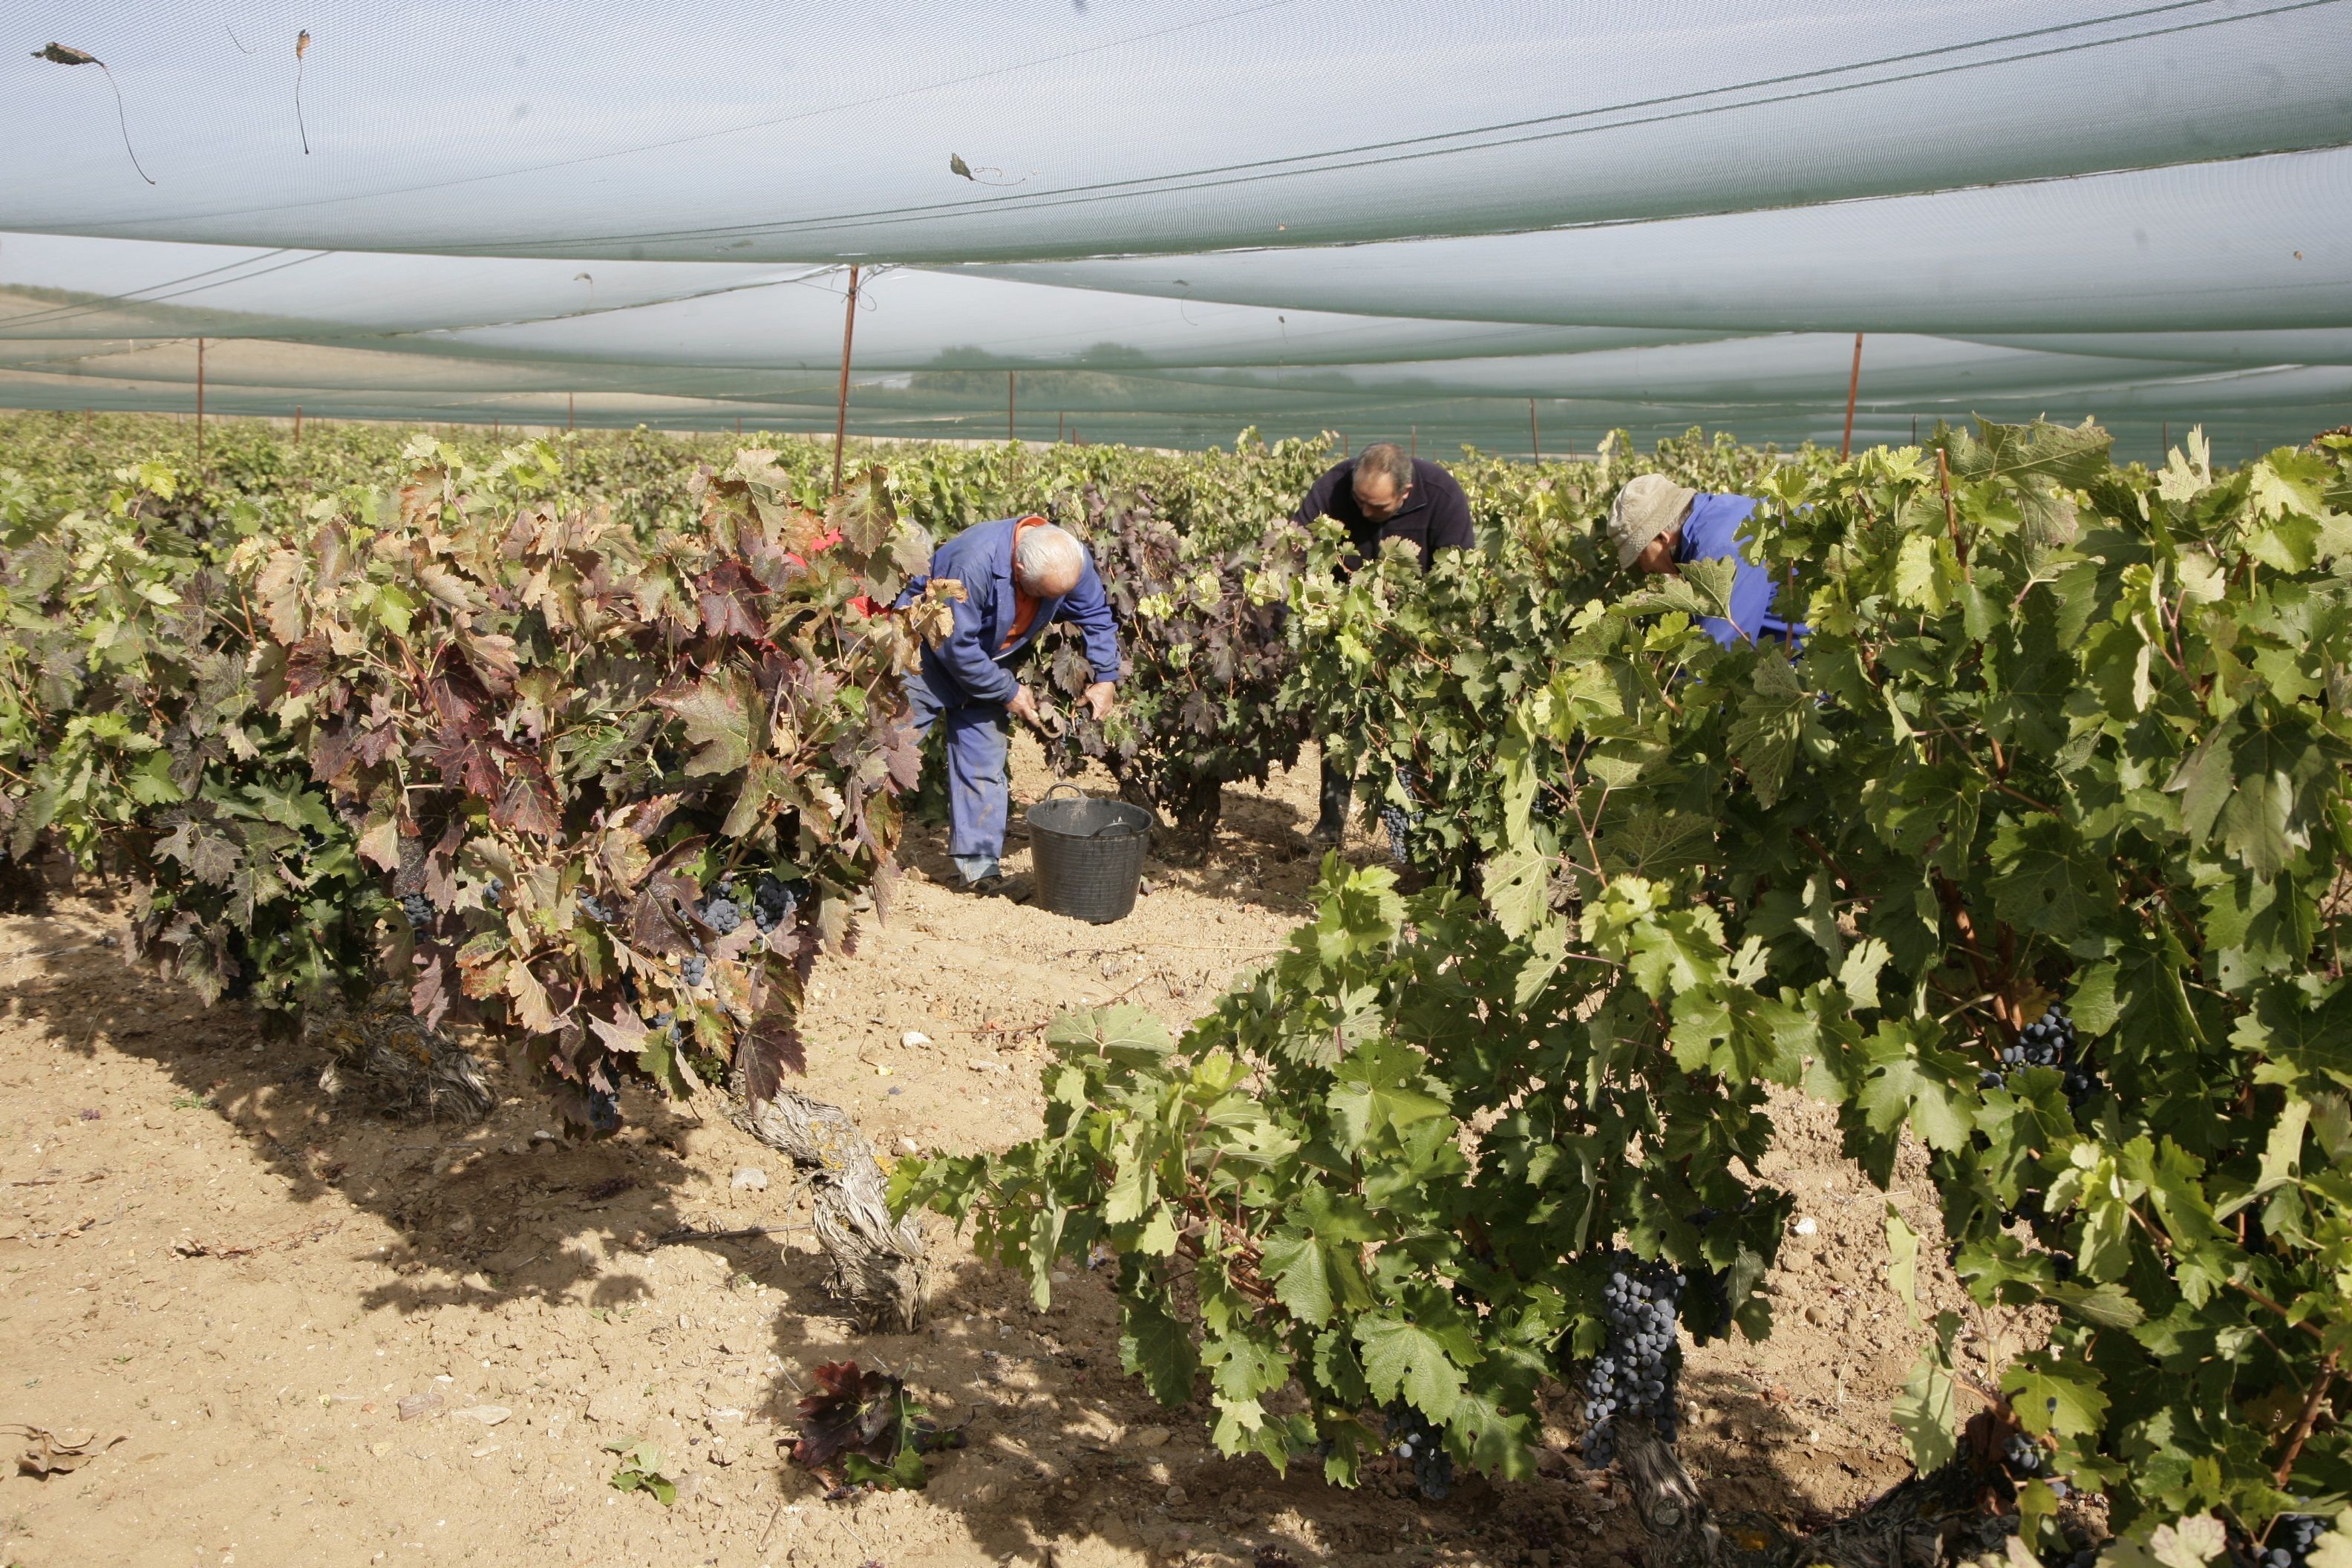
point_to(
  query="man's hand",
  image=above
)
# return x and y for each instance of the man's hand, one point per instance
(1098, 699)
(1023, 706)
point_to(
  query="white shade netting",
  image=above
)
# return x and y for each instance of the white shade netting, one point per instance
(1503, 224)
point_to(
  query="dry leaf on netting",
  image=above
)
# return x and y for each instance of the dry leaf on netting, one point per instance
(66, 55)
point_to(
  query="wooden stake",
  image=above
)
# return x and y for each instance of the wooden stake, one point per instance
(1853, 389)
(200, 406)
(298, 424)
(1008, 404)
(1535, 435)
(841, 403)
(571, 411)
(1415, 450)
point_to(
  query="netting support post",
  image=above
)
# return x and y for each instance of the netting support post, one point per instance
(1414, 451)
(1853, 390)
(1008, 404)
(200, 407)
(841, 403)
(1534, 434)
(571, 411)
(298, 424)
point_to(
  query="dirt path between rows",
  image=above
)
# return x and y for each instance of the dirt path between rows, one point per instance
(328, 1338)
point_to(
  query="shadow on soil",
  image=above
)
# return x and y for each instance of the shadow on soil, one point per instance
(1064, 1450)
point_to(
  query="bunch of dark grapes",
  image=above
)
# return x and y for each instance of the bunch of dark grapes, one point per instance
(1413, 1437)
(594, 910)
(2025, 1455)
(419, 909)
(2292, 1537)
(1635, 1372)
(2047, 1042)
(696, 971)
(721, 913)
(604, 1111)
(773, 902)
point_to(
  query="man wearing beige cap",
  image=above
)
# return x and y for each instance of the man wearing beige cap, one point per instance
(1657, 525)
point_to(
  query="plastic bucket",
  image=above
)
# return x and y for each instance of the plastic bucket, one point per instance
(1088, 854)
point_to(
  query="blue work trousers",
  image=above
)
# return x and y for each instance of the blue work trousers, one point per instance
(979, 780)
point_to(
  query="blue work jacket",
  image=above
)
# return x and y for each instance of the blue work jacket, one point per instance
(1715, 531)
(970, 660)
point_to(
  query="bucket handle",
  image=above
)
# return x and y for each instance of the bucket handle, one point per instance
(1065, 785)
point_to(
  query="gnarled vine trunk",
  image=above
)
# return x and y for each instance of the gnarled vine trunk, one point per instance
(1665, 1498)
(388, 1057)
(880, 1271)
(1187, 818)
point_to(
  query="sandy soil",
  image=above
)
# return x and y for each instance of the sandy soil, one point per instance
(327, 1338)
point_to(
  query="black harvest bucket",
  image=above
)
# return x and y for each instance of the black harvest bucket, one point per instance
(1088, 854)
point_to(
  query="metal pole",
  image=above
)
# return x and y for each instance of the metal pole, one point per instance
(1535, 435)
(1853, 388)
(1415, 452)
(841, 406)
(298, 424)
(1008, 404)
(200, 406)
(571, 411)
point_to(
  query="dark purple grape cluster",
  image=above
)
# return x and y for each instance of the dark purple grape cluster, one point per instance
(696, 971)
(604, 1111)
(1635, 1373)
(720, 914)
(2290, 1539)
(419, 909)
(2023, 1455)
(2048, 1042)
(1412, 1436)
(774, 902)
(591, 906)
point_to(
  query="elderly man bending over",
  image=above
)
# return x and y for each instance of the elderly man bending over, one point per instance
(1019, 575)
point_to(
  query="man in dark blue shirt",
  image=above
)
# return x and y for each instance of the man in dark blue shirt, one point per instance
(1658, 525)
(1381, 494)
(1019, 576)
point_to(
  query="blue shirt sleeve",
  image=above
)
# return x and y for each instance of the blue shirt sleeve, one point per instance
(1718, 529)
(1088, 608)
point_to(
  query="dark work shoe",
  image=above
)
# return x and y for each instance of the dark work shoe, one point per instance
(997, 885)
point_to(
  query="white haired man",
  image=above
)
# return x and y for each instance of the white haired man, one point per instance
(1020, 574)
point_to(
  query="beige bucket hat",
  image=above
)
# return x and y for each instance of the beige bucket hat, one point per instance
(1647, 507)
